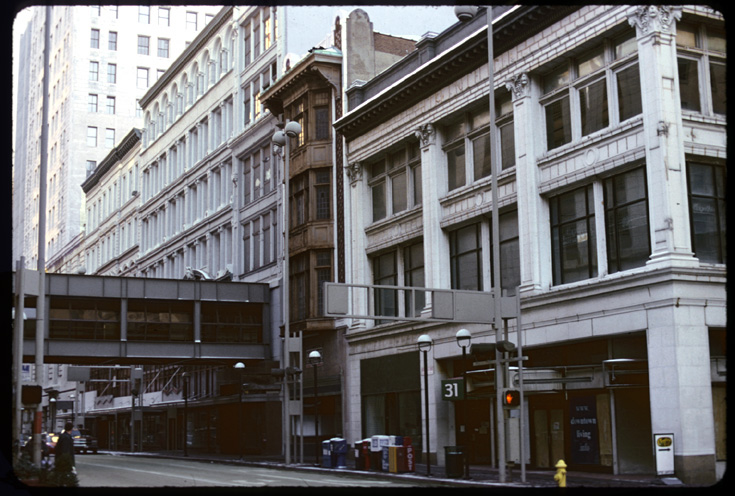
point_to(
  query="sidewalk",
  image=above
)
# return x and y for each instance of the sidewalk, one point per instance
(480, 475)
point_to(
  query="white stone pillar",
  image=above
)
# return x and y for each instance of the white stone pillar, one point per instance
(433, 184)
(533, 218)
(359, 206)
(664, 134)
(680, 388)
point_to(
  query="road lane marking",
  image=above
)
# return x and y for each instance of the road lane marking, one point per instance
(164, 474)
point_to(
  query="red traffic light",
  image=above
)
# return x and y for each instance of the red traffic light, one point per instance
(512, 397)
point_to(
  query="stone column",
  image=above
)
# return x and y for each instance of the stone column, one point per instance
(433, 184)
(533, 223)
(664, 135)
(360, 266)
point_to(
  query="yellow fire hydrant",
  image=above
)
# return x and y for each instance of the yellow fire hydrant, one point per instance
(561, 473)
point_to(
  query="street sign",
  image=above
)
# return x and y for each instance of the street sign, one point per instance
(664, 446)
(453, 389)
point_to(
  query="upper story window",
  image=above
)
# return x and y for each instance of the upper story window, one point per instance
(467, 145)
(701, 51)
(395, 181)
(164, 16)
(112, 41)
(144, 43)
(591, 91)
(573, 239)
(191, 20)
(163, 49)
(706, 184)
(144, 14)
(94, 70)
(94, 41)
(266, 31)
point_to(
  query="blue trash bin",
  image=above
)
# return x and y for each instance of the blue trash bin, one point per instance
(327, 454)
(339, 451)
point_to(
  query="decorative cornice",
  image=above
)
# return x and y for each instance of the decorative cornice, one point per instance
(518, 85)
(654, 18)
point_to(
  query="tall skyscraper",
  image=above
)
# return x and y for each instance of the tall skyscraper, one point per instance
(101, 61)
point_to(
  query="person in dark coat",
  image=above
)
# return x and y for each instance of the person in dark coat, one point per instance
(64, 458)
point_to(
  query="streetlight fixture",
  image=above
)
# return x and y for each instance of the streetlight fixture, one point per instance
(52, 414)
(464, 338)
(315, 359)
(186, 378)
(465, 14)
(425, 343)
(240, 366)
(281, 138)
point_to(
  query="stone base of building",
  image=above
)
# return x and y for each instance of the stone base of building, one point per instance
(696, 470)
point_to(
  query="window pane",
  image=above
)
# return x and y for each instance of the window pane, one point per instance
(686, 35)
(718, 85)
(556, 79)
(716, 40)
(573, 236)
(378, 201)
(626, 220)
(689, 84)
(558, 123)
(481, 156)
(417, 186)
(456, 167)
(400, 198)
(322, 202)
(625, 45)
(629, 92)
(593, 106)
(322, 123)
(708, 211)
(507, 146)
(466, 265)
(590, 62)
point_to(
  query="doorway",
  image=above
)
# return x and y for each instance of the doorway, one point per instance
(548, 436)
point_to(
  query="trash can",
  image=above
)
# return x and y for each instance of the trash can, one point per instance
(359, 460)
(339, 452)
(327, 454)
(454, 461)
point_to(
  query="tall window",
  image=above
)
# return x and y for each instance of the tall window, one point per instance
(110, 107)
(582, 83)
(573, 240)
(413, 275)
(144, 45)
(109, 138)
(247, 46)
(467, 134)
(191, 20)
(385, 273)
(395, 181)
(504, 120)
(163, 47)
(465, 256)
(323, 271)
(92, 103)
(701, 51)
(142, 77)
(112, 73)
(94, 71)
(323, 190)
(266, 33)
(510, 257)
(256, 41)
(144, 14)
(626, 220)
(95, 39)
(707, 210)
(164, 16)
(299, 269)
(112, 41)
(91, 136)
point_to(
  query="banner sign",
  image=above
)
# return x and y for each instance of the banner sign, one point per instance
(585, 447)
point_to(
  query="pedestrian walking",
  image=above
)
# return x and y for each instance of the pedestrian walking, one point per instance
(64, 458)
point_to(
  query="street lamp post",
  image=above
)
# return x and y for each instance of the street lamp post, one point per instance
(186, 377)
(425, 343)
(281, 138)
(464, 338)
(240, 366)
(315, 358)
(465, 14)
(52, 414)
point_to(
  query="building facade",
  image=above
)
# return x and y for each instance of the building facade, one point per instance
(98, 69)
(611, 131)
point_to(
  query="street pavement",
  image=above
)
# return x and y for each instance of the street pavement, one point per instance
(480, 475)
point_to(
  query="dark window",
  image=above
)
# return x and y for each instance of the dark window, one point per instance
(322, 123)
(323, 191)
(323, 274)
(718, 84)
(84, 318)
(593, 106)
(573, 237)
(689, 84)
(232, 322)
(413, 275)
(299, 269)
(160, 320)
(466, 258)
(629, 92)
(626, 220)
(707, 206)
(558, 123)
(510, 257)
(385, 274)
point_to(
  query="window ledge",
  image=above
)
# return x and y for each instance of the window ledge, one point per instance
(393, 219)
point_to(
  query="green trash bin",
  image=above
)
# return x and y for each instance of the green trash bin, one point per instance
(454, 461)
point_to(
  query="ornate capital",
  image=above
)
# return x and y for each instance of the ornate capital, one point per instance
(518, 85)
(354, 172)
(426, 134)
(654, 18)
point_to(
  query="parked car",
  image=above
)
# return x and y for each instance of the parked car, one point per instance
(47, 445)
(84, 441)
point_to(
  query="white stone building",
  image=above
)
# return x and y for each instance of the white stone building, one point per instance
(611, 128)
(101, 61)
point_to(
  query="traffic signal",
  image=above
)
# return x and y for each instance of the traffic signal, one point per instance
(486, 351)
(512, 398)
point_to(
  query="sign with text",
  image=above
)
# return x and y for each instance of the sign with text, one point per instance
(664, 448)
(453, 389)
(583, 428)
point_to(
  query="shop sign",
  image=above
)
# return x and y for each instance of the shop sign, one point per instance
(583, 422)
